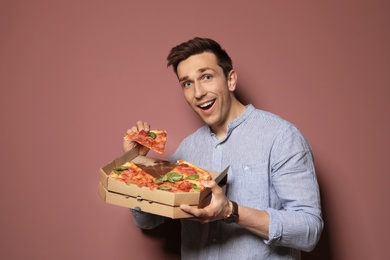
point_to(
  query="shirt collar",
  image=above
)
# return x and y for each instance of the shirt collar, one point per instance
(236, 122)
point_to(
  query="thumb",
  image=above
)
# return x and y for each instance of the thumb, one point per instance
(208, 184)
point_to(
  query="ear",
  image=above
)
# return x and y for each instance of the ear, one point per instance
(232, 80)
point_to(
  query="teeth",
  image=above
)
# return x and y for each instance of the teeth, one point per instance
(206, 104)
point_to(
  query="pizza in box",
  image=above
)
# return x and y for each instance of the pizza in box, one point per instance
(184, 177)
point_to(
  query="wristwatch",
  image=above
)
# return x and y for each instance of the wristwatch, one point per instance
(233, 217)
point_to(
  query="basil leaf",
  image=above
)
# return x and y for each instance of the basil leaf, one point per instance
(158, 181)
(164, 188)
(151, 134)
(193, 177)
(173, 176)
(177, 177)
(118, 170)
(169, 174)
(195, 187)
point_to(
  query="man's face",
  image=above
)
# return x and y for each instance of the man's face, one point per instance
(206, 88)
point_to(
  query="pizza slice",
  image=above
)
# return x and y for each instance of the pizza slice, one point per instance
(154, 139)
(185, 177)
(130, 173)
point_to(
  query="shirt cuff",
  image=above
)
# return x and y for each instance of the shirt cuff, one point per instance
(275, 227)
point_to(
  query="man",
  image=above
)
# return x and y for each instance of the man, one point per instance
(271, 209)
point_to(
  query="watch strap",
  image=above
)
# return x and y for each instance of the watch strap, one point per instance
(233, 217)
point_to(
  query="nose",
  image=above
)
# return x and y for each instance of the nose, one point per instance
(199, 90)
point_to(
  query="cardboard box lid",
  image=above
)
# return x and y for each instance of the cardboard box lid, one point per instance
(143, 193)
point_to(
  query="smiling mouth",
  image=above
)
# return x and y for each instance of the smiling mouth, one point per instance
(207, 105)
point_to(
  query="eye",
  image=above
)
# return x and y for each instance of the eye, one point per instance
(207, 77)
(186, 84)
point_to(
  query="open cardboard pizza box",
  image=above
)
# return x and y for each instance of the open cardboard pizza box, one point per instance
(158, 202)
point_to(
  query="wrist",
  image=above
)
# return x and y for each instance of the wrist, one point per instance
(232, 216)
(228, 209)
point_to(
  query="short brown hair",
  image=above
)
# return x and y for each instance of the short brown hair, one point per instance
(197, 46)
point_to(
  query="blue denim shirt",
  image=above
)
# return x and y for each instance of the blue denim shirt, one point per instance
(271, 168)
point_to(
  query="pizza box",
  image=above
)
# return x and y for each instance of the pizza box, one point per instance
(158, 202)
(156, 208)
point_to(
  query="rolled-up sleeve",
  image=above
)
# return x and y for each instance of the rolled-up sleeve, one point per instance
(298, 222)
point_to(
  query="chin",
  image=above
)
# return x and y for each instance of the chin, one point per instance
(209, 121)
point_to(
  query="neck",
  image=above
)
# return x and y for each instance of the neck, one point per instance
(236, 109)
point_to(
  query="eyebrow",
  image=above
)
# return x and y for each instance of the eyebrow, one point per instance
(201, 70)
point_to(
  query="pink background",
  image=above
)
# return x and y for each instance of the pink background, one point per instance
(74, 75)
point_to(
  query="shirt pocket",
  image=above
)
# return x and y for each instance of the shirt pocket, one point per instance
(249, 184)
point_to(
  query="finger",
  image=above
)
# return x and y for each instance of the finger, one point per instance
(199, 215)
(143, 125)
(219, 202)
(131, 130)
(209, 184)
(140, 125)
(191, 210)
(213, 186)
